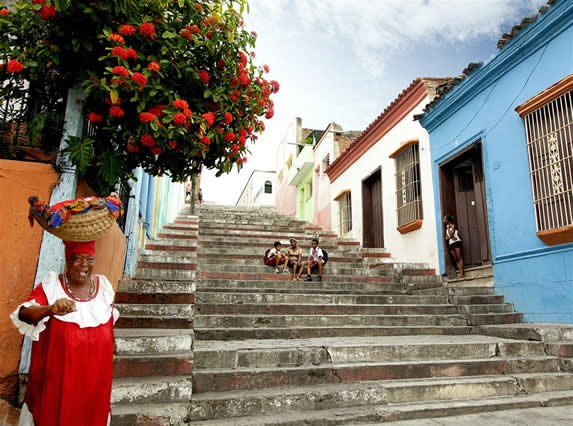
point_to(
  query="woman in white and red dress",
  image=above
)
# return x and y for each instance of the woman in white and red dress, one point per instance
(70, 320)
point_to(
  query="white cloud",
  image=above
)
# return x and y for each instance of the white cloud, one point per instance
(387, 26)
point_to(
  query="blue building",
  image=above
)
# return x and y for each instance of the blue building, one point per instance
(501, 140)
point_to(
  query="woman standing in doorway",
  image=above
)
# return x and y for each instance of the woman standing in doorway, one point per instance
(454, 243)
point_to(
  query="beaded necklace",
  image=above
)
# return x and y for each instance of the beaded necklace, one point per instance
(90, 295)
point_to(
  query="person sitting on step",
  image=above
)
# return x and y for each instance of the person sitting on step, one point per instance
(274, 257)
(294, 258)
(315, 261)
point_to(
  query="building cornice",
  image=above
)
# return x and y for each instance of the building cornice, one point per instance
(392, 115)
(555, 20)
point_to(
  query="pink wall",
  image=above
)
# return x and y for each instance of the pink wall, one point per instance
(286, 198)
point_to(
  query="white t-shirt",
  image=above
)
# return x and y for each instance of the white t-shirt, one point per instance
(273, 252)
(315, 253)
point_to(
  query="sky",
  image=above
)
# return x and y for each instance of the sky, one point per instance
(346, 60)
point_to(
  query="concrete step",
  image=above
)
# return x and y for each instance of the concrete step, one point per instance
(495, 318)
(303, 290)
(314, 309)
(262, 231)
(384, 412)
(331, 270)
(484, 309)
(152, 341)
(145, 365)
(297, 352)
(172, 244)
(236, 259)
(168, 414)
(165, 274)
(310, 332)
(151, 390)
(277, 282)
(236, 404)
(261, 244)
(531, 331)
(478, 300)
(320, 299)
(202, 275)
(154, 298)
(274, 321)
(143, 286)
(168, 257)
(220, 379)
(183, 310)
(457, 291)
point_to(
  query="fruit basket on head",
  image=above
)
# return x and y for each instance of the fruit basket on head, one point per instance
(81, 219)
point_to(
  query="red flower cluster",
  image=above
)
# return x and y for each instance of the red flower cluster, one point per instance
(4, 11)
(116, 111)
(209, 118)
(180, 103)
(147, 29)
(157, 110)
(228, 118)
(46, 12)
(119, 70)
(14, 66)
(204, 76)
(147, 117)
(117, 38)
(139, 79)
(179, 119)
(229, 136)
(127, 30)
(94, 117)
(206, 140)
(153, 67)
(147, 140)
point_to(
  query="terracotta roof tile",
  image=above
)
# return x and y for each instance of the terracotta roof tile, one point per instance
(432, 85)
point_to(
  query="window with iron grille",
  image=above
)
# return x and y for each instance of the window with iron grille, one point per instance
(344, 213)
(408, 186)
(549, 133)
(268, 187)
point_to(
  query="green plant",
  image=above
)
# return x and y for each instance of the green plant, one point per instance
(170, 85)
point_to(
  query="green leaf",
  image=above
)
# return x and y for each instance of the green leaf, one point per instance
(110, 167)
(80, 152)
(169, 34)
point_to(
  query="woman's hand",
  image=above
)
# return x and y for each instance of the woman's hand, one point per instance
(63, 307)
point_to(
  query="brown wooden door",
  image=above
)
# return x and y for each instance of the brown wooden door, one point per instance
(466, 213)
(372, 217)
(463, 195)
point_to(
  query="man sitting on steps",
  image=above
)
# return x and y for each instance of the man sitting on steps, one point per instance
(315, 261)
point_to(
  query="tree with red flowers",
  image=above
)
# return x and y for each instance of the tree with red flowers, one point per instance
(170, 86)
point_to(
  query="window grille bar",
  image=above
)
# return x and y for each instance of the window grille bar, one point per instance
(549, 132)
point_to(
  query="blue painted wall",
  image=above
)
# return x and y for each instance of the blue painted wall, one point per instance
(537, 278)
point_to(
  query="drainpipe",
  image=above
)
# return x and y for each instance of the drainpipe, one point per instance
(131, 223)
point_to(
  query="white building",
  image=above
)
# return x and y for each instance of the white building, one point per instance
(260, 190)
(381, 185)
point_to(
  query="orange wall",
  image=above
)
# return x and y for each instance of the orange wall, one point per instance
(19, 251)
(110, 249)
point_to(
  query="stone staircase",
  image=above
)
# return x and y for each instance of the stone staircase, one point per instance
(154, 335)
(374, 341)
(205, 321)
